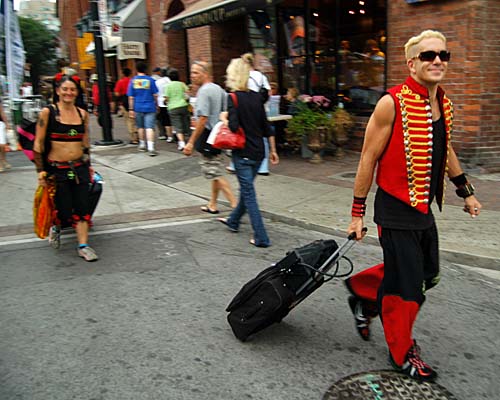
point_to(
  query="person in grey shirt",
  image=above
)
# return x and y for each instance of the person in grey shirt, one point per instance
(210, 101)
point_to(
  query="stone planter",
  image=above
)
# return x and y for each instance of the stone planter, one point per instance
(316, 142)
(340, 138)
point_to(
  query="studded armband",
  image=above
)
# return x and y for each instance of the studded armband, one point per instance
(465, 191)
(464, 188)
(358, 207)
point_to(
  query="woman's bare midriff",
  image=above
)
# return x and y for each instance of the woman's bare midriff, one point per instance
(65, 151)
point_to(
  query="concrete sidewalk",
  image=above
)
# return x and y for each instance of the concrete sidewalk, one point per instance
(296, 192)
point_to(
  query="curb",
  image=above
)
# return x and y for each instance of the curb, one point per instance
(451, 256)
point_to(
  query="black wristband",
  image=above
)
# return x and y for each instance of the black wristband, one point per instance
(459, 180)
(465, 191)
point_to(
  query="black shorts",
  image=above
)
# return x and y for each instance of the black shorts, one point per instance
(163, 117)
(72, 194)
(411, 262)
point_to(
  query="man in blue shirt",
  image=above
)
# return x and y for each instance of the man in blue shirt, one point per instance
(142, 94)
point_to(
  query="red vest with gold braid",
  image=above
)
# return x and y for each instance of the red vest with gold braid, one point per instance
(404, 170)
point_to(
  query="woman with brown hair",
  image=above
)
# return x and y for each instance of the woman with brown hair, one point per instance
(61, 153)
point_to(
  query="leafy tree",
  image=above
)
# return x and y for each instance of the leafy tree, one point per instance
(40, 47)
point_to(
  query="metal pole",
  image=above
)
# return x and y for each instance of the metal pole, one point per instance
(103, 109)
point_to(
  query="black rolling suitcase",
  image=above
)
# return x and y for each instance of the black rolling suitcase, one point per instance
(269, 297)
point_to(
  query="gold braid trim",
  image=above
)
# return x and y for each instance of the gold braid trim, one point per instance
(416, 115)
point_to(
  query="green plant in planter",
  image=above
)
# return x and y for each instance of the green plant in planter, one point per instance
(306, 120)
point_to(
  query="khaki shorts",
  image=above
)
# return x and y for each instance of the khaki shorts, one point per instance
(212, 167)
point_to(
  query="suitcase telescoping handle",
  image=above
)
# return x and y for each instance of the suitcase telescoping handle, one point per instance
(340, 252)
(322, 271)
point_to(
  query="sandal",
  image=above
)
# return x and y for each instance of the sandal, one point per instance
(209, 210)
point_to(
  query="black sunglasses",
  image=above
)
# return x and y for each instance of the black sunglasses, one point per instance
(430, 55)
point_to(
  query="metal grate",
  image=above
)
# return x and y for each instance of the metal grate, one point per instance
(385, 385)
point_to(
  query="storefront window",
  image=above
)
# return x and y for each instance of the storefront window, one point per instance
(262, 37)
(361, 52)
(293, 58)
(334, 48)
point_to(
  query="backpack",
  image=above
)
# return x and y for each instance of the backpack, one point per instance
(26, 132)
(264, 93)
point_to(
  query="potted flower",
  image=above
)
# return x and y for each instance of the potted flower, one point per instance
(309, 127)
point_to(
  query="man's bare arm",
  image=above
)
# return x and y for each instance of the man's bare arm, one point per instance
(471, 204)
(198, 130)
(377, 135)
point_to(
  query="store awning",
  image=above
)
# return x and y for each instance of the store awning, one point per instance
(205, 12)
(134, 22)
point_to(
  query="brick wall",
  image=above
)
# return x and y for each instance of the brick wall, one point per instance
(69, 12)
(228, 41)
(473, 79)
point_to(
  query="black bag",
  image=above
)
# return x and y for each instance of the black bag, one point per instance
(264, 93)
(270, 296)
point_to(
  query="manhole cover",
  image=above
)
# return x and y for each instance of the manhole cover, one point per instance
(385, 385)
(345, 176)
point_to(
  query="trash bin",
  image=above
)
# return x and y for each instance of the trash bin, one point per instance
(17, 111)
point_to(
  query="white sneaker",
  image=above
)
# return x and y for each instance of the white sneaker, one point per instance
(180, 146)
(87, 253)
(141, 148)
(153, 153)
(162, 138)
(170, 140)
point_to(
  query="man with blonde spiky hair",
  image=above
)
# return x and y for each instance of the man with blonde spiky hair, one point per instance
(408, 138)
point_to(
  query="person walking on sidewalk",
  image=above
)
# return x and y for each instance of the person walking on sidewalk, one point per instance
(259, 83)
(210, 101)
(409, 137)
(4, 125)
(120, 91)
(246, 110)
(176, 97)
(62, 153)
(163, 118)
(142, 94)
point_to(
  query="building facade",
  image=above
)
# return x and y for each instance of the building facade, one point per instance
(40, 10)
(348, 50)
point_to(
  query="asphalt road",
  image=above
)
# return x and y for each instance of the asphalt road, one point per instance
(147, 321)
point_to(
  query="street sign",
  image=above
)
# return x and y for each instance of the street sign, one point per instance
(116, 26)
(128, 50)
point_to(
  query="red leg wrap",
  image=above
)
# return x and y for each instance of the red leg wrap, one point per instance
(398, 317)
(365, 284)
